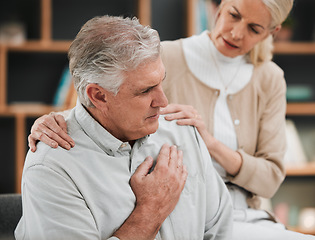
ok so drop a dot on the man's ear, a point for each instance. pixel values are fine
(96, 94)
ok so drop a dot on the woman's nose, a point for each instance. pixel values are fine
(237, 32)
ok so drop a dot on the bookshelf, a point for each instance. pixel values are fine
(307, 169)
(297, 190)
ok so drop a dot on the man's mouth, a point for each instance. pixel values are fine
(155, 116)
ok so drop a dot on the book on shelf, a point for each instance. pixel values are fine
(64, 85)
(295, 153)
(205, 14)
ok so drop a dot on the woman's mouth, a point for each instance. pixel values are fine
(230, 44)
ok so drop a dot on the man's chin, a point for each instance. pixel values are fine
(154, 127)
(144, 132)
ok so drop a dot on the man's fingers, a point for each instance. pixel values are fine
(144, 167)
(173, 162)
(184, 175)
(180, 159)
(164, 156)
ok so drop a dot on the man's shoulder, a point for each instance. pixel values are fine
(186, 138)
(45, 156)
(172, 133)
(171, 128)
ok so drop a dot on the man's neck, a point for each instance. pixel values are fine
(132, 142)
(96, 115)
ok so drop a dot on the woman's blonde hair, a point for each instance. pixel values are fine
(279, 11)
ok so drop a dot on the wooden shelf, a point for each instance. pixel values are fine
(39, 46)
(29, 109)
(307, 169)
(297, 229)
(294, 48)
(301, 109)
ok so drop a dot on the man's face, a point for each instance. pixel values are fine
(133, 113)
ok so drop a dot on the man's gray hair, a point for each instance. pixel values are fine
(106, 48)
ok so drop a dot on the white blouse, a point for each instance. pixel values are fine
(228, 75)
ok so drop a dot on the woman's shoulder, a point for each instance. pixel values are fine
(269, 76)
(268, 68)
(173, 57)
(169, 44)
(171, 49)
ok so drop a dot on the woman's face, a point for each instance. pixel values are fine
(241, 24)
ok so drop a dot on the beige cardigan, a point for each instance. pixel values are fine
(258, 112)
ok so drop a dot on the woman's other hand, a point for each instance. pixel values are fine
(52, 130)
(229, 159)
(188, 115)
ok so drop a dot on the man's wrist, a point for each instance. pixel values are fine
(140, 225)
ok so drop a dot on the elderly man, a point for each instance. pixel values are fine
(131, 174)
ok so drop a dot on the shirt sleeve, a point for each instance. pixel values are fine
(53, 208)
(219, 218)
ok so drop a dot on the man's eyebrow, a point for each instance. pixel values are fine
(150, 87)
(253, 24)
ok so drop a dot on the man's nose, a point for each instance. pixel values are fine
(160, 99)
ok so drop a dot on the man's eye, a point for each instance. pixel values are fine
(146, 91)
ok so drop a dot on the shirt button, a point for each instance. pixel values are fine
(123, 145)
(217, 93)
(230, 97)
(237, 122)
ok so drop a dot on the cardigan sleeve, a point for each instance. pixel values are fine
(263, 171)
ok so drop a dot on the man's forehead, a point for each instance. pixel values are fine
(149, 75)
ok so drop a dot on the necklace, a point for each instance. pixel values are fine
(225, 86)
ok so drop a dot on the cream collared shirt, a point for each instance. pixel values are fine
(84, 193)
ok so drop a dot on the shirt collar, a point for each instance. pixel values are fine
(99, 134)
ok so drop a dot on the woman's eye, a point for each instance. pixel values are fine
(234, 15)
(254, 30)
